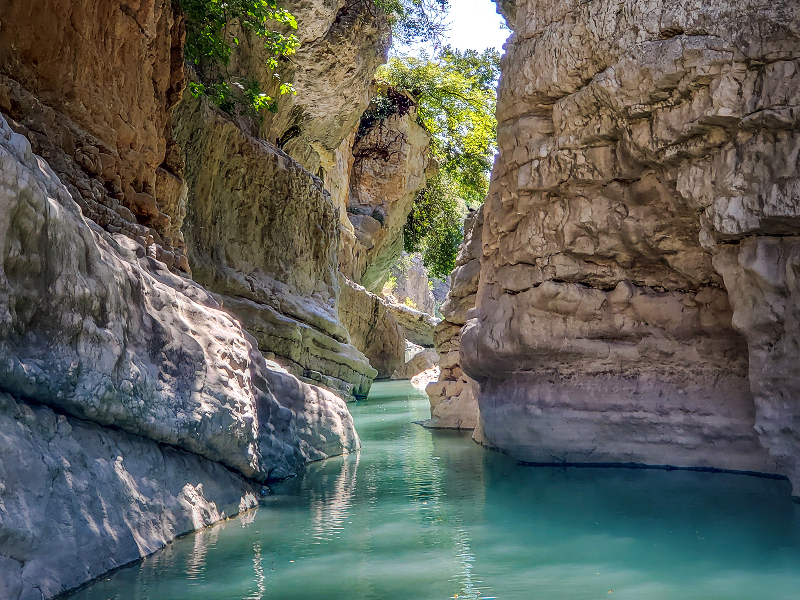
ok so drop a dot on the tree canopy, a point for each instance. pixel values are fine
(456, 96)
(415, 21)
(209, 43)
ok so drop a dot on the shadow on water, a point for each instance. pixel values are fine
(421, 514)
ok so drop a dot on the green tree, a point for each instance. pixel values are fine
(415, 21)
(210, 42)
(456, 96)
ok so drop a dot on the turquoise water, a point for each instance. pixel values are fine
(431, 515)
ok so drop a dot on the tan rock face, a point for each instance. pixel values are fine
(454, 396)
(391, 163)
(112, 72)
(373, 328)
(634, 140)
(80, 474)
(413, 284)
(418, 326)
(761, 274)
(341, 45)
(263, 234)
(425, 359)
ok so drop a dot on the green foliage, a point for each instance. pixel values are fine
(456, 97)
(416, 21)
(209, 43)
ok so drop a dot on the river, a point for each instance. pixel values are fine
(424, 515)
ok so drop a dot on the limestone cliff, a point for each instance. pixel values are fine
(97, 330)
(263, 234)
(454, 403)
(391, 163)
(103, 123)
(134, 405)
(647, 163)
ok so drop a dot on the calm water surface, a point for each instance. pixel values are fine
(431, 515)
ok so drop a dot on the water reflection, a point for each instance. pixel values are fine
(430, 515)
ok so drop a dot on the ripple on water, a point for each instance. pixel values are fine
(431, 515)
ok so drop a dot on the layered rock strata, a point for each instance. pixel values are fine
(391, 163)
(373, 329)
(638, 142)
(97, 330)
(417, 325)
(97, 106)
(264, 235)
(454, 397)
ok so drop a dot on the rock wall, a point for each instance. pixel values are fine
(645, 147)
(391, 164)
(413, 283)
(373, 328)
(79, 499)
(91, 84)
(263, 234)
(97, 330)
(454, 397)
(342, 42)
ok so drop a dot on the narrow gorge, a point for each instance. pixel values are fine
(194, 298)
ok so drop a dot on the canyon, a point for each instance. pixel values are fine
(189, 299)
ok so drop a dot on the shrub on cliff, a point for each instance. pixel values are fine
(210, 39)
(456, 95)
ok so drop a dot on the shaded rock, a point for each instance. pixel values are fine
(263, 234)
(761, 274)
(91, 328)
(454, 396)
(373, 329)
(70, 485)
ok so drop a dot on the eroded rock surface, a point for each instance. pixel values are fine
(454, 396)
(77, 499)
(342, 42)
(373, 328)
(391, 164)
(425, 359)
(636, 140)
(92, 84)
(417, 325)
(263, 234)
(93, 328)
(414, 284)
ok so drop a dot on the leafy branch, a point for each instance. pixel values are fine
(210, 42)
